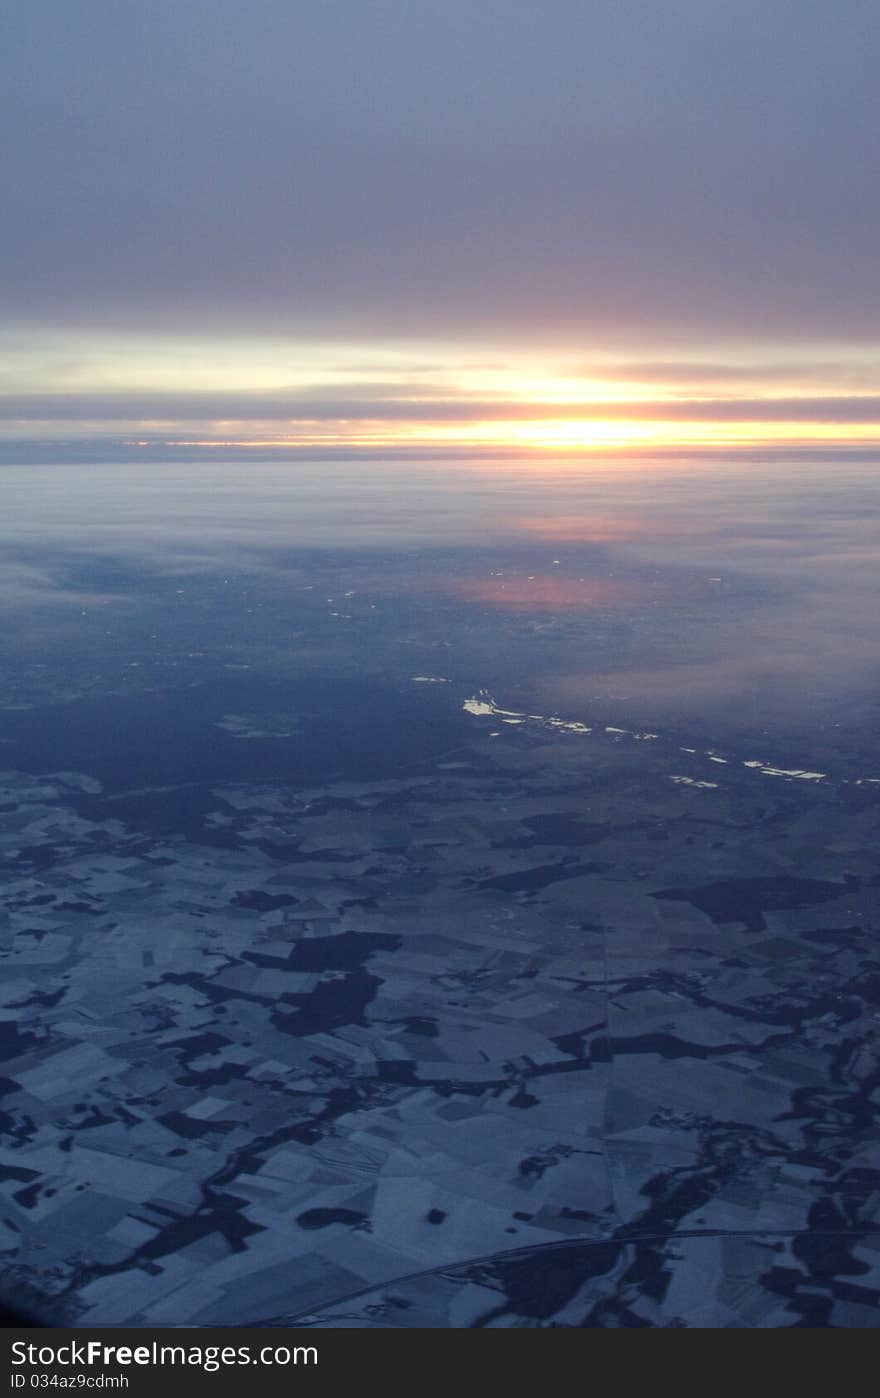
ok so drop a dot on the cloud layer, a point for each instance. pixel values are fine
(376, 167)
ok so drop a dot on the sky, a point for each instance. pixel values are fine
(440, 224)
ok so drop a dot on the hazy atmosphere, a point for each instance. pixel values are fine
(440, 225)
(439, 660)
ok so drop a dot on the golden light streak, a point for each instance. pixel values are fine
(275, 394)
(546, 435)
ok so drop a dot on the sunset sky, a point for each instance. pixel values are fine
(440, 225)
